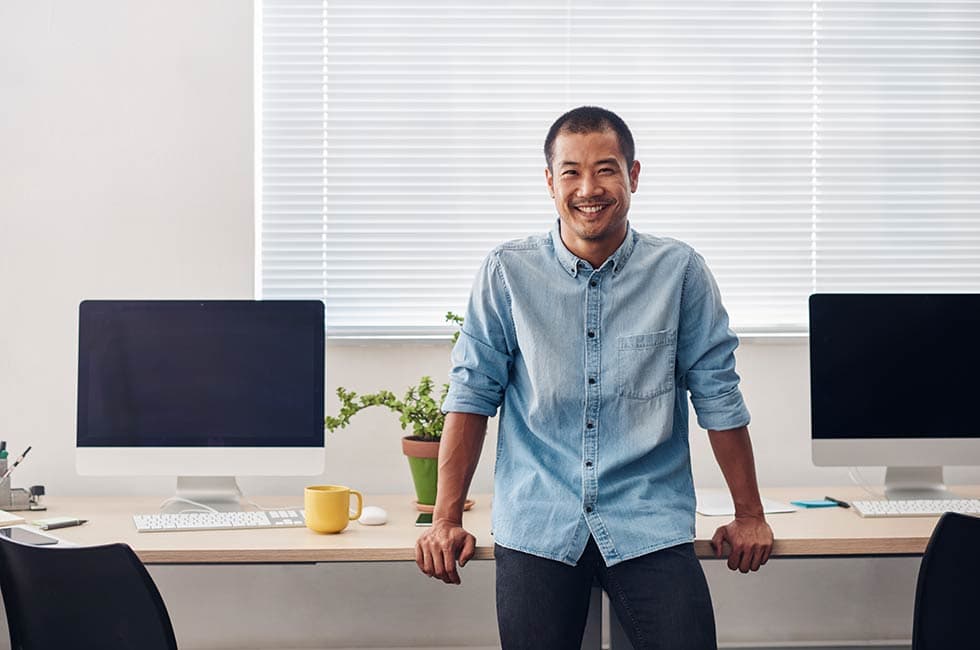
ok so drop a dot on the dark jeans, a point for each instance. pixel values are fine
(661, 599)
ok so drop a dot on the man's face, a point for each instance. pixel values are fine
(591, 186)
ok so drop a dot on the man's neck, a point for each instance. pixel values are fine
(594, 252)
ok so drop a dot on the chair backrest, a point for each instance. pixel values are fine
(81, 597)
(947, 596)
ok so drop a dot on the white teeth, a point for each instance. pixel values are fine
(591, 209)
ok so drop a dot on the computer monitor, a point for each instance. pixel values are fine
(202, 390)
(893, 381)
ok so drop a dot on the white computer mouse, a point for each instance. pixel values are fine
(373, 516)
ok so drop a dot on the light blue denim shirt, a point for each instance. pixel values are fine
(591, 369)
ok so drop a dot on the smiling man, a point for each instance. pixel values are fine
(589, 340)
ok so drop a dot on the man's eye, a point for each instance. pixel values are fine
(606, 170)
(569, 172)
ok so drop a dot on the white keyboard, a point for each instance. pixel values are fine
(166, 522)
(916, 507)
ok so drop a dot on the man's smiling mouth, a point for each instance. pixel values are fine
(592, 208)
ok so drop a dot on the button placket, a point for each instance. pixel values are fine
(592, 366)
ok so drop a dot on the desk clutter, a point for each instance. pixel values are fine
(717, 503)
(9, 519)
(17, 498)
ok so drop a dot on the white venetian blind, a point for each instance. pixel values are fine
(291, 147)
(402, 140)
(898, 155)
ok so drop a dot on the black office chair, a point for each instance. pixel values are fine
(947, 596)
(86, 597)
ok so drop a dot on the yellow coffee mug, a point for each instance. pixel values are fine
(328, 507)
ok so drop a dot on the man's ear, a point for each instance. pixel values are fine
(551, 181)
(634, 175)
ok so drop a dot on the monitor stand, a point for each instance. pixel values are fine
(219, 492)
(903, 483)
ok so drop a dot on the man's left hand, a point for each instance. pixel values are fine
(750, 538)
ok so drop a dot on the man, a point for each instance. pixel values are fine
(589, 340)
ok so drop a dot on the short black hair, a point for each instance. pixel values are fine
(591, 119)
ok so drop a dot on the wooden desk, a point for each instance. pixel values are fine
(806, 533)
(834, 531)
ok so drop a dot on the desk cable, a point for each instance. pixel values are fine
(198, 507)
(859, 481)
(252, 503)
(202, 507)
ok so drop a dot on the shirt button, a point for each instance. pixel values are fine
(591, 334)
(593, 283)
(588, 425)
(591, 380)
(588, 463)
(588, 508)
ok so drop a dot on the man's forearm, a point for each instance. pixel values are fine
(459, 453)
(733, 451)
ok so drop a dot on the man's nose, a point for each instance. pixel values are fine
(588, 187)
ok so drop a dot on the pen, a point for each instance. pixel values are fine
(16, 463)
(842, 504)
(64, 524)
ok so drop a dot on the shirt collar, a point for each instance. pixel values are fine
(571, 262)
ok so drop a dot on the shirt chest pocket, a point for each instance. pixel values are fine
(645, 363)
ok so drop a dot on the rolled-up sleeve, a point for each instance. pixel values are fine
(483, 354)
(706, 352)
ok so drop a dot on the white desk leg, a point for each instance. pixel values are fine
(592, 639)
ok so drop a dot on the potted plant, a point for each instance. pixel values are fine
(418, 408)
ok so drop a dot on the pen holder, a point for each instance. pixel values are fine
(12, 498)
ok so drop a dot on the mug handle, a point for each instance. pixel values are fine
(360, 504)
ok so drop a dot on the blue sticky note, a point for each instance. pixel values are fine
(814, 503)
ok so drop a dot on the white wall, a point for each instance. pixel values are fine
(126, 172)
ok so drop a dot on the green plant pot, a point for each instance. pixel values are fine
(423, 460)
(425, 475)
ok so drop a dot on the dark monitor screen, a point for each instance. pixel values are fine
(894, 365)
(200, 374)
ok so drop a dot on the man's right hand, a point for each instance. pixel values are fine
(439, 549)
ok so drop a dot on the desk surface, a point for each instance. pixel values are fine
(815, 532)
